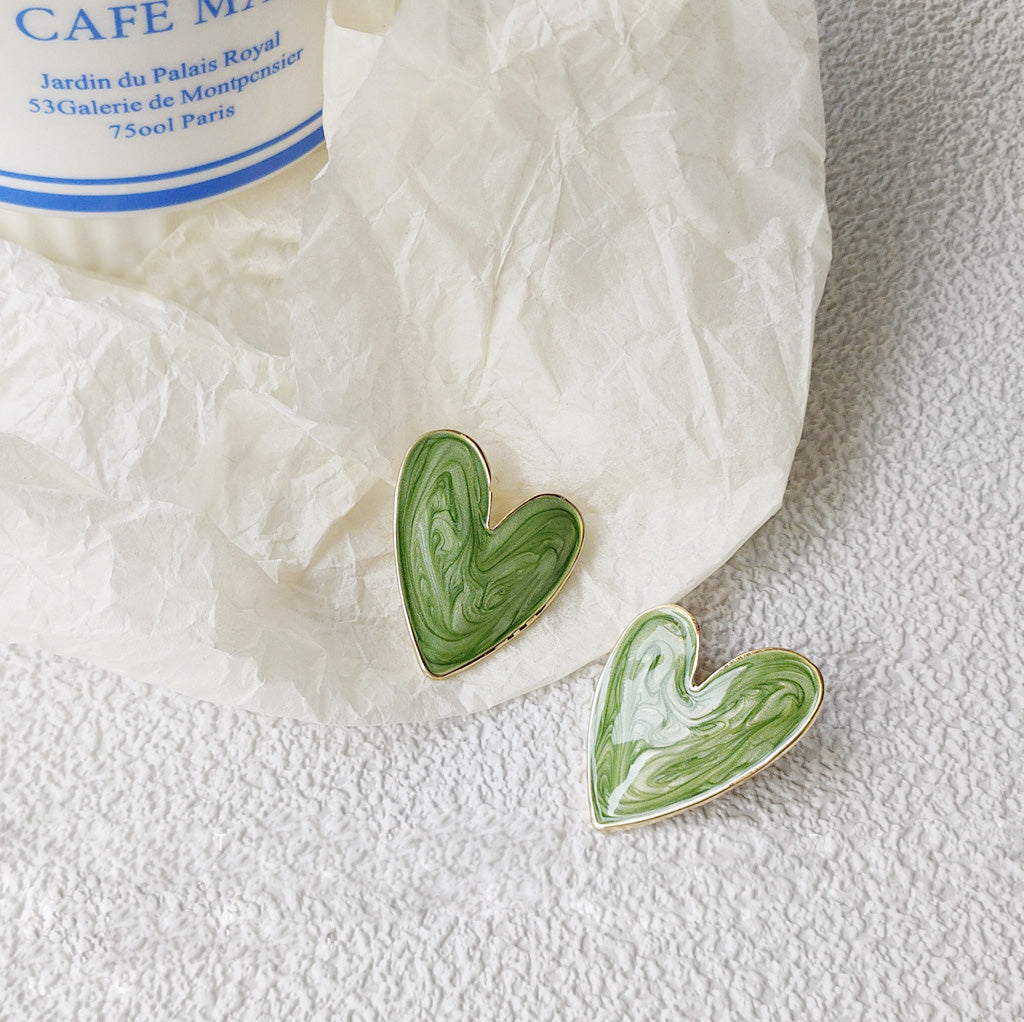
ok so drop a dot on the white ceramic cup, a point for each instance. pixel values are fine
(118, 116)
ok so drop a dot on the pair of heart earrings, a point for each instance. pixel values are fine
(659, 742)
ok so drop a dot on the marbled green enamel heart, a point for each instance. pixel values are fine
(659, 744)
(467, 587)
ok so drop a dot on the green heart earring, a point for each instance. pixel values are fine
(660, 744)
(467, 587)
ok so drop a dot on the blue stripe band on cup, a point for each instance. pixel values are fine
(163, 177)
(162, 198)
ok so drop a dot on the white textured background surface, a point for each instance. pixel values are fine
(165, 859)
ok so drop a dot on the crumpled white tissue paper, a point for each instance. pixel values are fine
(590, 233)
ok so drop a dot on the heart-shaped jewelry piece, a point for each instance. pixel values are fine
(468, 588)
(660, 744)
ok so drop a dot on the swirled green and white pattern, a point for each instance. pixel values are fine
(469, 588)
(659, 744)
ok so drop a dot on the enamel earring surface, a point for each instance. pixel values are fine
(467, 587)
(660, 744)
